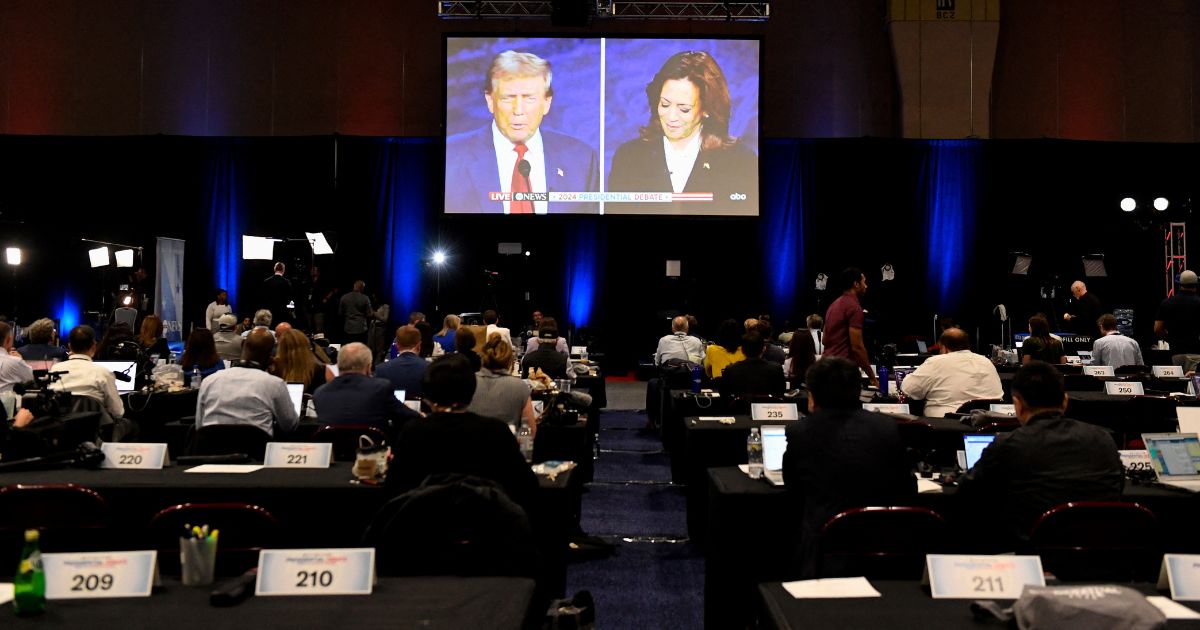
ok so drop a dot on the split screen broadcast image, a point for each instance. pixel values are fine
(602, 126)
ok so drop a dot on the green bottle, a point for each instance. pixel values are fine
(29, 586)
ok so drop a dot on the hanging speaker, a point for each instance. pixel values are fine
(572, 12)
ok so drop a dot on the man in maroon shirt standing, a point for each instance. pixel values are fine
(844, 323)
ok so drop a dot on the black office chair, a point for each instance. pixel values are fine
(983, 404)
(245, 529)
(881, 542)
(229, 439)
(1098, 540)
(344, 438)
(70, 517)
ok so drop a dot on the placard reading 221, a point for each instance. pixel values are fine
(315, 572)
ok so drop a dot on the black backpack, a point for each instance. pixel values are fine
(676, 373)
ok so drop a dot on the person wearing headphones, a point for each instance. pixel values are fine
(246, 393)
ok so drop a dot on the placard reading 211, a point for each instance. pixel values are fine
(982, 577)
(315, 572)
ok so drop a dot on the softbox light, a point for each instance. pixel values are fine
(1021, 264)
(98, 257)
(124, 257)
(1093, 266)
(320, 245)
(257, 248)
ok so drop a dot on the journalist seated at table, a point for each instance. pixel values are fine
(840, 456)
(356, 397)
(1113, 348)
(955, 376)
(81, 377)
(546, 357)
(246, 393)
(1049, 460)
(408, 368)
(454, 440)
(754, 375)
(499, 394)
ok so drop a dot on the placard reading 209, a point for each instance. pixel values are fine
(602, 126)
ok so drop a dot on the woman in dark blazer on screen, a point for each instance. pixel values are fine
(685, 146)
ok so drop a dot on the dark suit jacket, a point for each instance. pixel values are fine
(277, 292)
(839, 459)
(360, 399)
(552, 362)
(1050, 460)
(641, 166)
(462, 443)
(404, 372)
(471, 171)
(752, 376)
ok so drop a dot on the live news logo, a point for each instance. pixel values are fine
(528, 196)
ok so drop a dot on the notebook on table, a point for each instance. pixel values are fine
(1175, 458)
(774, 442)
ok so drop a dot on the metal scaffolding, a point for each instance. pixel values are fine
(610, 9)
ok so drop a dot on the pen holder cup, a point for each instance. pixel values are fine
(198, 560)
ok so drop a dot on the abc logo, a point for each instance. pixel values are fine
(737, 197)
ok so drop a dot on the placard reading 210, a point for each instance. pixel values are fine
(773, 411)
(315, 572)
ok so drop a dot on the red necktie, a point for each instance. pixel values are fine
(519, 183)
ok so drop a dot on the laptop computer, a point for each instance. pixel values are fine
(1175, 458)
(399, 394)
(922, 348)
(128, 368)
(774, 442)
(296, 393)
(974, 445)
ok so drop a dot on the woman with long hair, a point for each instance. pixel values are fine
(201, 352)
(295, 363)
(499, 394)
(802, 353)
(151, 337)
(1040, 345)
(726, 351)
(445, 337)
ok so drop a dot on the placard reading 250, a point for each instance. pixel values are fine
(315, 572)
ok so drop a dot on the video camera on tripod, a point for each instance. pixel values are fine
(38, 397)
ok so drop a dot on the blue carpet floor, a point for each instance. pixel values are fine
(643, 584)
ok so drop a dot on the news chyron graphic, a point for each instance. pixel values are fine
(602, 126)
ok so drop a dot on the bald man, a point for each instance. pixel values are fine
(1082, 314)
(957, 375)
(246, 394)
(679, 344)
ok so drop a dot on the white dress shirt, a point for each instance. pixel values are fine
(84, 378)
(506, 161)
(491, 328)
(946, 381)
(13, 371)
(243, 395)
(680, 163)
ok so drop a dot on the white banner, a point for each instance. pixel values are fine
(168, 299)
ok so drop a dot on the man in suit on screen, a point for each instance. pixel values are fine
(514, 154)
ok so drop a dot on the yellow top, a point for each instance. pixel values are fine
(716, 359)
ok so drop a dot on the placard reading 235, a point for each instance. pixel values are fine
(773, 411)
(315, 572)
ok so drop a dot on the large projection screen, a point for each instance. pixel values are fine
(602, 126)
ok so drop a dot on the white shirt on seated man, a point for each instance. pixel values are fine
(956, 376)
(82, 377)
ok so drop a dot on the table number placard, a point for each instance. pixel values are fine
(1099, 370)
(1124, 388)
(298, 455)
(982, 577)
(133, 455)
(773, 411)
(99, 575)
(1181, 573)
(1135, 460)
(1006, 409)
(886, 407)
(315, 572)
(1167, 371)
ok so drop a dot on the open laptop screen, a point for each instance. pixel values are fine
(296, 393)
(774, 439)
(1174, 454)
(128, 368)
(974, 445)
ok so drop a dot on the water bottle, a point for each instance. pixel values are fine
(525, 441)
(883, 380)
(29, 585)
(695, 378)
(754, 455)
(196, 377)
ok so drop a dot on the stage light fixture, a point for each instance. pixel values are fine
(124, 257)
(1093, 266)
(527, 254)
(126, 300)
(13, 255)
(1021, 264)
(1161, 203)
(439, 257)
(258, 248)
(1128, 204)
(320, 245)
(98, 257)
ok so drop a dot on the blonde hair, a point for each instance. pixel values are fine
(511, 63)
(294, 360)
(497, 353)
(152, 329)
(450, 323)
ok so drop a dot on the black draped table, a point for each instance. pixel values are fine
(751, 527)
(902, 605)
(410, 602)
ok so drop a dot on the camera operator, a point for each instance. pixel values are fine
(81, 377)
